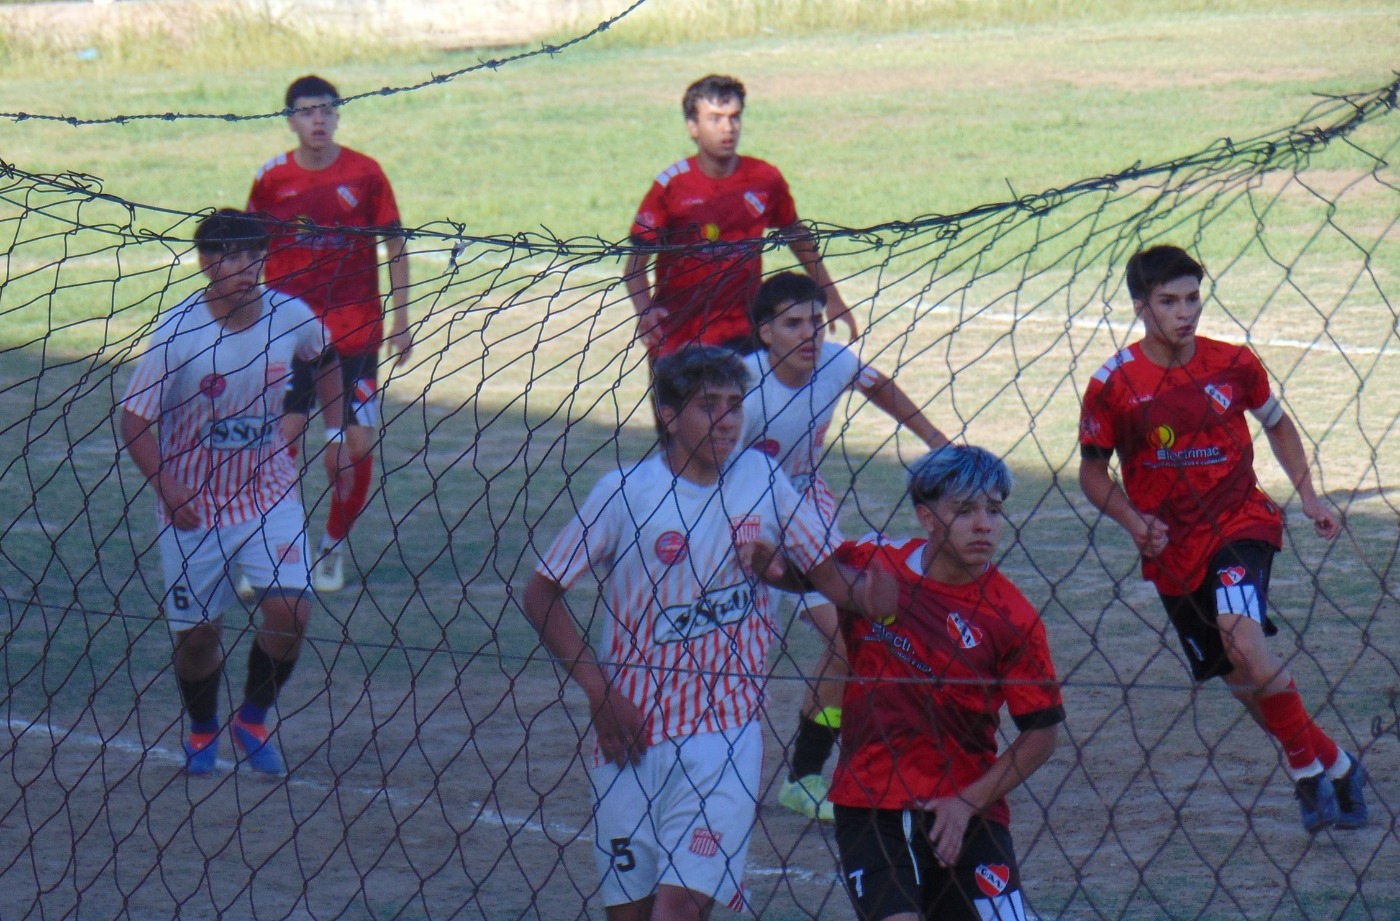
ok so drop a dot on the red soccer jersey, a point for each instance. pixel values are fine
(706, 288)
(921, 707)
(329, 264)
(1186, 452)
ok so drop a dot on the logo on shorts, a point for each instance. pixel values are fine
(1232, 575)
(1163, 436)
(671, 548)
(347, 195)
(767, 446)
(364, 390)
(289, 553)
(1221, 396)
(992, 879)
(705, 842)
(744, 529)
(213, 386)
(757, 202)
(962, 632)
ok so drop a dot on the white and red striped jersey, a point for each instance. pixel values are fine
(686, 630)
(790, 425)
(216, 397)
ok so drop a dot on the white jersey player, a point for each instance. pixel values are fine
(797, 380)
(201, 421)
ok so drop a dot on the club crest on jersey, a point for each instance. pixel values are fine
(767, 446)
(757, 203)
(347, 196)
(962, 632)
(276, 373)
(213, 386)
(1090, 428)
(1220, 396)
(992, 879)
(705, 842)
(744, 529)
(1232, 575)
(671, 547)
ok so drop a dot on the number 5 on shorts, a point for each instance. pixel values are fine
(622, 855)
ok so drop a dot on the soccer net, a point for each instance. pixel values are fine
(435, 761)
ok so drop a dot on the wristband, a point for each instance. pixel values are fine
(334, 435)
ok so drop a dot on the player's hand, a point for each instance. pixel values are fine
(838, 312)
(761, 559)
(951, 815)
(649, 323)
(1326, 521)
(621, 729)
(179, 502)
(1150, 535)
(340, 468)
(400, 344)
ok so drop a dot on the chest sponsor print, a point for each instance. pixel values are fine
(721, 607)
(239, 433)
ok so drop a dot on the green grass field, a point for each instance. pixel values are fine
(435, 755)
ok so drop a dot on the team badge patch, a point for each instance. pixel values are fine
(347, 196)
(289, 553)
(767, 446)
(705, 842)
(671, 548)
(1232, 575)
(1220, 396)
(963, 633)
(756, 202)
(993, 878)
(744, 529)
(213, 386)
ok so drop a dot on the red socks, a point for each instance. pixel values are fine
(1304, 744)
(344, 512)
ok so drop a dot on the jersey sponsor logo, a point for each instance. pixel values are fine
(347, 196)
(1190, 457)
(1138, 399)
(284, 193)
(757, 203)
(1221, 396)
(710, 232)
(992, 878)
(1233, 575)
(1163, 436)
(691, 202)
(671, 548)
(720, 607)
(744, 529)
(239, 433)
(705, 842)
(899, 646)
(768, 446)
(213, 386)
(962, 632)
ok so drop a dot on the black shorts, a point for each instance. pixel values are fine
(359, 375)
(888, 867)
(1237, 583)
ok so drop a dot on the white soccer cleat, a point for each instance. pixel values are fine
(244, 588)
(329, 574)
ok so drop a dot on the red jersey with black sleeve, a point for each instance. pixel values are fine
(921, 708)
(706, 287)
(1185, 451)
(316, 253)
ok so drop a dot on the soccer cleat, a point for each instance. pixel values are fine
(202, 753)
(807, 796)
(1351, 800)
(1317, 801)
(328, 576)
(261, 754)
(244, 588)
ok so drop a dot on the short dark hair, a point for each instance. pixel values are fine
(715, 88)
(958, 470)
(678, 377)
(229, 230)
(308, 87)
(1158, 265)
(795, 287)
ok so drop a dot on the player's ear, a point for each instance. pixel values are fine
(665, 415)
(765, 334)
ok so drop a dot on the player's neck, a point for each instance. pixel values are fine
(717, 167)
(689, 467)
(790, 375)
(1166, 354)
(947, 569)
(317, 158)
(233, 313)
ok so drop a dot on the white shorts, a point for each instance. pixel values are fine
(198, 565)
(682, 817)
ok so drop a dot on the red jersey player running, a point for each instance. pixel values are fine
(708, 215)
(922, 823)
(1173, 408)
(330, 206)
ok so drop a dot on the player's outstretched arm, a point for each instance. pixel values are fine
(891, 399)
(400, 339)
(1022, 758)
(139, 436)
(1148, 532)
(620, 725)
(1287, 446)
(804, 247)
(872, 593)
